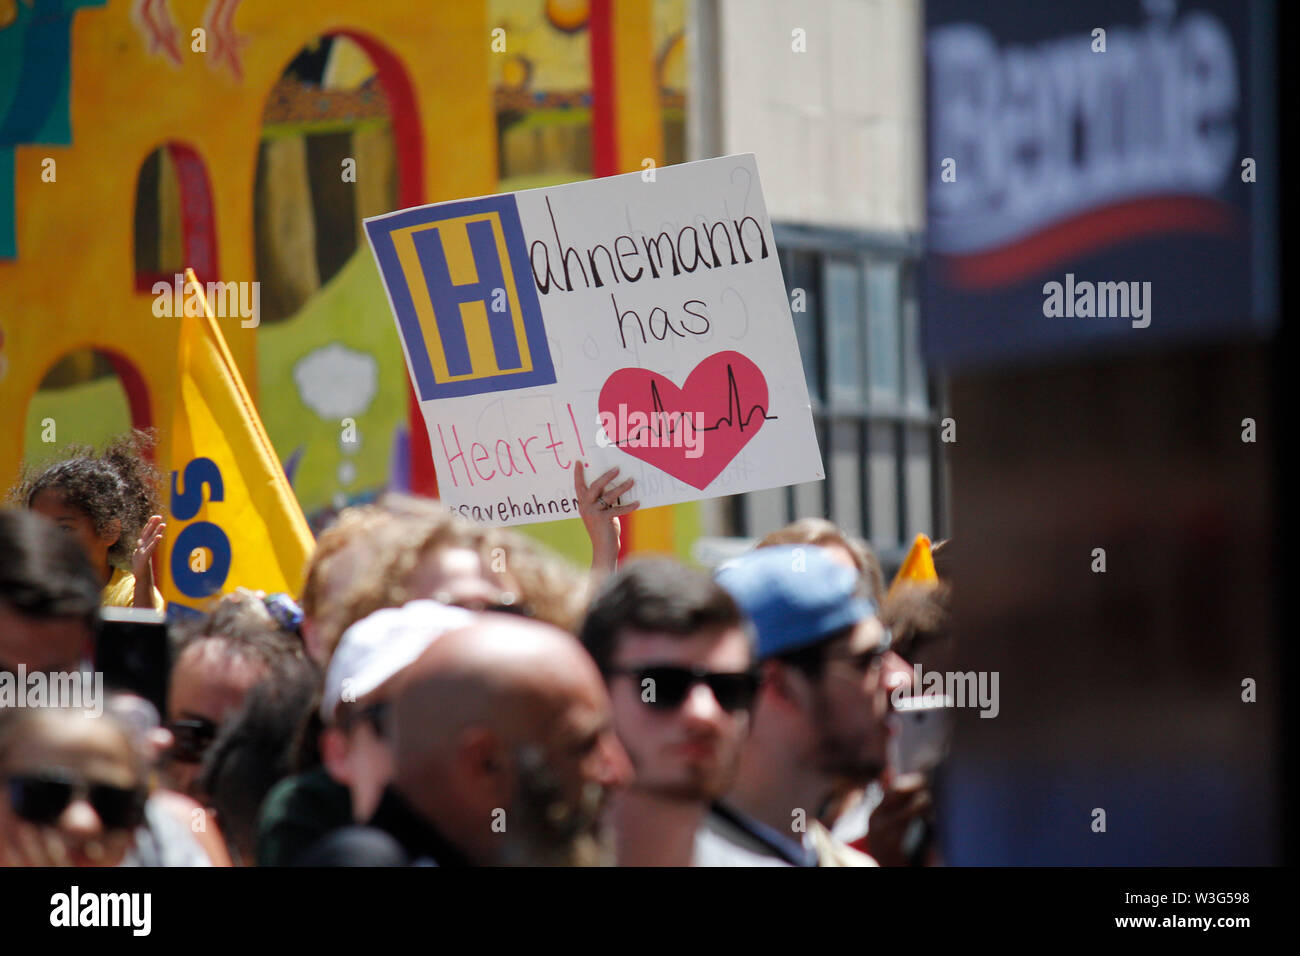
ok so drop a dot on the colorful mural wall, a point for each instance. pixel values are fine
(249, 141)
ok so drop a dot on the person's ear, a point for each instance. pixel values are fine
(786, 685)
(112, 532)
(482, 761)
(312, 642)
(334, 750)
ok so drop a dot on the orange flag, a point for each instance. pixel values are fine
(918, 566)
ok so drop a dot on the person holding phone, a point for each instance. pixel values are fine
(901, 830)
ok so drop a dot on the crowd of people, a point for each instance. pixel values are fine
(449, 694)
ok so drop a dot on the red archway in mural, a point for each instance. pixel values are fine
(138, 402)
(137, 392)
(409, 146)
(198, 219)
(405, 116)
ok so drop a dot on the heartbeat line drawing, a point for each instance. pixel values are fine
(674, 440)
(674, 419)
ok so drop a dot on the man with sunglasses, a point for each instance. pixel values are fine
(820, 716)
(678, 660)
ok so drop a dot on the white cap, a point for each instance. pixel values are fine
(376, 647)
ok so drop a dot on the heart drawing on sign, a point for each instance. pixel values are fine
(692, 432)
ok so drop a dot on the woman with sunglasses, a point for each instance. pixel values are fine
(72, 788)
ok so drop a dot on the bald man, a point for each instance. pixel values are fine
(503, 752)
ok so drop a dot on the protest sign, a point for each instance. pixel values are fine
(637, 321)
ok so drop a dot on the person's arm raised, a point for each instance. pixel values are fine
(599, 510)
(141, 565)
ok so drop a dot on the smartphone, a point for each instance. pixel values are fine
(132, 653)
(923, 726)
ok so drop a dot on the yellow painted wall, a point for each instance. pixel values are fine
(72, 285)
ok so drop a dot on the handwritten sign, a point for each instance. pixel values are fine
(637, 321)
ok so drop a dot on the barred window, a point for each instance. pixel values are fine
(855, 305)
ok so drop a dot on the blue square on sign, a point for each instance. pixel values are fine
(462, 292)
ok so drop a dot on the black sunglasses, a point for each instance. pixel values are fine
(862, 661)
(191, 738)
(669, 685)
(42, 798)
(865, 660)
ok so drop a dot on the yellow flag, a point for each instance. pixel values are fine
(233, 521)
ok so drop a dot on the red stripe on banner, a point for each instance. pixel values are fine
(1089, 232)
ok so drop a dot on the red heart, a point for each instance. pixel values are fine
(650, 418)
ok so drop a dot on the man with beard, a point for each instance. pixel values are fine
(503, 753)
(675, 651)
(820, 716)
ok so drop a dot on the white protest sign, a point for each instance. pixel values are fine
(618, 322)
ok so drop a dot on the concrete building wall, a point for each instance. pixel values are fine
(837, 128)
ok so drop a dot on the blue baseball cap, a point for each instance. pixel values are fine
(795, 595)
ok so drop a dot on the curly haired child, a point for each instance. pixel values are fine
(109, 501)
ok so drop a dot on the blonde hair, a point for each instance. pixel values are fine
(351, 524)
(554, 590)
(819, 531)
(401, 532)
